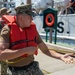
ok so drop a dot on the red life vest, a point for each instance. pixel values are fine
(21, 38)
(6, 19)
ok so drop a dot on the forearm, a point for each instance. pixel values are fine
(55, 54)
(52, 53)
(48, 52)
(8, 54)
(66, 58)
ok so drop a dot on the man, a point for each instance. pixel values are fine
(71, 7)
(3, 11)
(19, 41)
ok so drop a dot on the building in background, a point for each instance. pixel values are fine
(7, 3)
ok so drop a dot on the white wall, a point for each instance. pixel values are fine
(68, 20)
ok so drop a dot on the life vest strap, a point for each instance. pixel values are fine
(22, 41)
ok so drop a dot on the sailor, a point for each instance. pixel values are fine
(3, 11)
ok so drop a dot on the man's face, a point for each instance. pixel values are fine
(25, 20)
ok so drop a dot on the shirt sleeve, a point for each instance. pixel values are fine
(5, 35)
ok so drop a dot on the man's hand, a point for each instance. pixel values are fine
(67, 58)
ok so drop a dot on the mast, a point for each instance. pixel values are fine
(28, 2)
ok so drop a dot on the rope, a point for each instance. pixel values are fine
(11, 62)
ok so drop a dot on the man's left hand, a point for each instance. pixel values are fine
(67, 58)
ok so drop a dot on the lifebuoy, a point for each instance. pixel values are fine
(52, 19)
